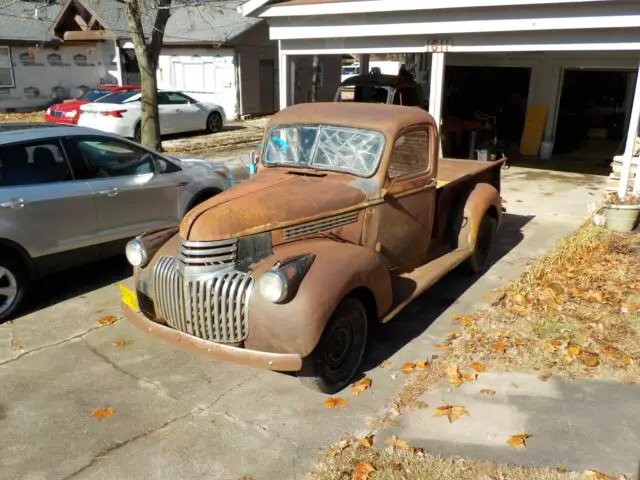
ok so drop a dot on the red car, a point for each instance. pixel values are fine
(69, 110)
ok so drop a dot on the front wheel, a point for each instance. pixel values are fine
(214, 122)
(341, 349)
(137, 133)
(13, 287)
(477, 263)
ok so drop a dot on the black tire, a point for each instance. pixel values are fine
(214, 123)
(137, 133)
(477, 263)
(12, 276)
(342, 347)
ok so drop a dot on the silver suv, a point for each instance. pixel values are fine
(70, 195)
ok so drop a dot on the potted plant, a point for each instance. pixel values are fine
(621, 214)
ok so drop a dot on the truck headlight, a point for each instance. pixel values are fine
(280, 283)
(136, 253)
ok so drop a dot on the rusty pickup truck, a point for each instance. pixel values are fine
(349, 217)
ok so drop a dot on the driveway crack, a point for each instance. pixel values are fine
(154, 385)
(44, 347)
(116, 446)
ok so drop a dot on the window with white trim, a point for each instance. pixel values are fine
(6, 69)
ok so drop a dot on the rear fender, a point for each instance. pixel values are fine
(338, 269)
(484, 198)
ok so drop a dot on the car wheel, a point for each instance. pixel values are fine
(214, 122)
(13, 286)
(477, 263)
(341, 349)
(137, 133)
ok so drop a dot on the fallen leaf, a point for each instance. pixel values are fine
(561, 469)
(573, 352)
(629, 307)
(385, 364)
(335, 402)
(397, 442)
(408, 368)
(121, 342)
(101, 413)
(518, 440)
(452, 412)
(590, 360)
(478, 367)
(337, 448)
(596, 475)
(499, 346)
(595, 296)
(470, 377)
(360, 386)
(454, 376)
(452, 336)
(519, 201)
(362, 471)
(520, 342)
(518, 299)
(463, 319)
(487, 391)
(422, 364)
(107, 320)
(366, 441)
(545, 376)
(441, 346)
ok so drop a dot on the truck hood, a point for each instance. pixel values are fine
(269, 201)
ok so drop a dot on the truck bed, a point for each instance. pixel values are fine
(453, 171)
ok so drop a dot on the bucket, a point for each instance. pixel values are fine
(621, 218)
(546, 149)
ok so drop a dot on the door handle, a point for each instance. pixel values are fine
(14, 203)
(110, 192)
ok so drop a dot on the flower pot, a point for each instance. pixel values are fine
(621, 218)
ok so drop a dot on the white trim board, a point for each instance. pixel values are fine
(370, 6)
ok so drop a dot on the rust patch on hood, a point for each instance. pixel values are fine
(275, 198)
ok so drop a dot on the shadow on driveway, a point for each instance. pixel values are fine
(423, 311)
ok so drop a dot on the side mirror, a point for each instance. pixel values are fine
(253, 163)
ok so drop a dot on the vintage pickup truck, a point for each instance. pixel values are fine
(350, 216)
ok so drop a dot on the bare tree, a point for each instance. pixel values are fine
(147, 54)
(315, 78)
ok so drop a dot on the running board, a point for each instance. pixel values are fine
(408, 286)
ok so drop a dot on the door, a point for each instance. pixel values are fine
(169, 115)
(406, 216)
(131, 194)
(189, 114)
(42, 206)
(267, 86)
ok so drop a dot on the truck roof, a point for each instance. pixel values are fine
(388, 119)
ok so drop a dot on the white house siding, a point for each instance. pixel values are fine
(253, 47)
(69, 67)
(205, 74)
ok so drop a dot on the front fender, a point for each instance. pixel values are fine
(338, 268)
(482, 199)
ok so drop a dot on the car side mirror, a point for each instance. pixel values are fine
(160, 164)
(253, 163)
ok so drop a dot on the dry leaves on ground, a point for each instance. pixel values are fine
(487, 391)
(457, 378)
(361, 471)
(396, 442)
(121, 342)
(367, 440)
(478, 367)
(102, 413)
(408, 368)
(335, 402)
(596, 475)
(518, 440)
(452, 412)
(107, 320)
(360, 386)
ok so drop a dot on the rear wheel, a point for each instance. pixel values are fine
(214, 122)
(137, 133)
(341, 349)
(477, 263)
(13, 286)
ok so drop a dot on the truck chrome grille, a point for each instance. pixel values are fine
(214, 308)
(319, 225)
(205, 255)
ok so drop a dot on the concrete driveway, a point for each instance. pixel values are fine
(176, 415)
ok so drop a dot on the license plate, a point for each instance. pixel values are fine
(128, 298)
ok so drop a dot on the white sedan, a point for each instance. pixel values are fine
(120, 113)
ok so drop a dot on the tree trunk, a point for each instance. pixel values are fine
(147, 56)
(315, 78)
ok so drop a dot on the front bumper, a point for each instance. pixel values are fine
(283, 362)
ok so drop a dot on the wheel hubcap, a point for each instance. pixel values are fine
(214, 122)
(8, 289)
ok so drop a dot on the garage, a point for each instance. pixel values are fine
(551, 40)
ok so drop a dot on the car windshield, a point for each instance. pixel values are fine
(119, 97)
(93, 95)
(325, 147)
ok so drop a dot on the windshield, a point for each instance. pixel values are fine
(327, 147)
(93, 95)
(120, 97)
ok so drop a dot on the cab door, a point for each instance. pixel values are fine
(405, 218)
